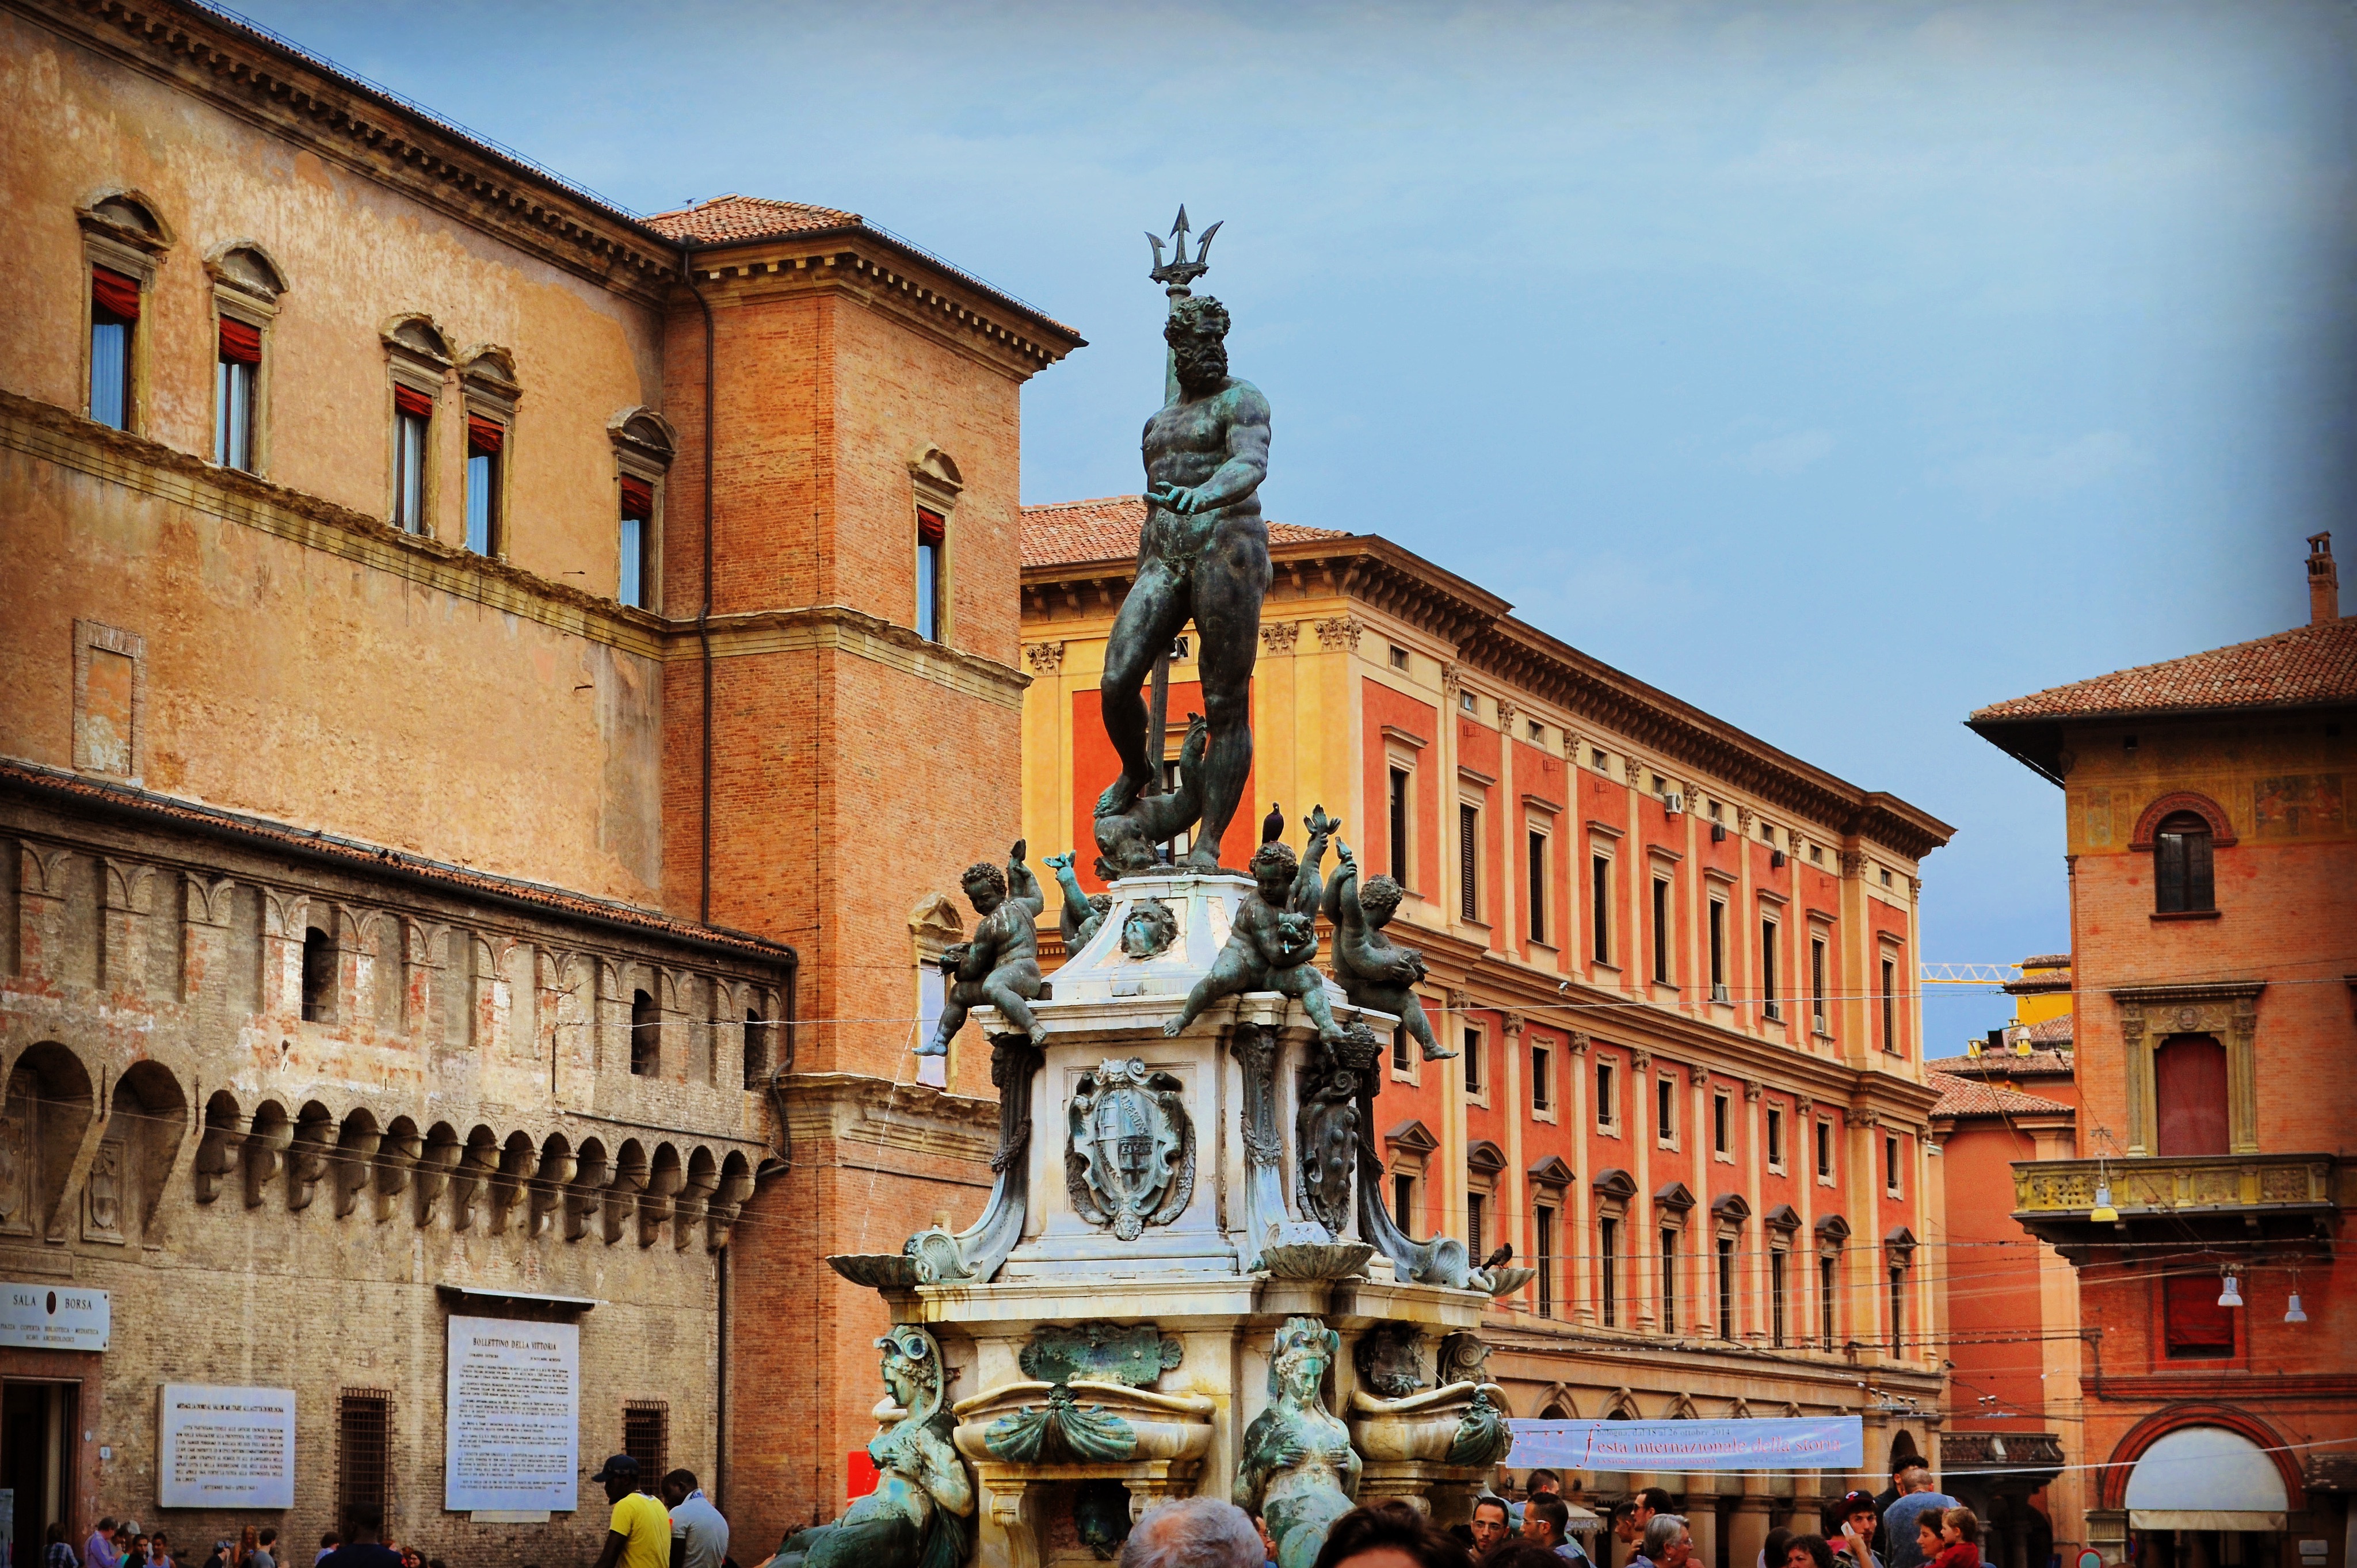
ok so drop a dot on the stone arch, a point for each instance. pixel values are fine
(735, 1187)
(49, 1106)
(397, 1154)
(2161, 1423)
(491, 368)
(435, 1164)
(645, 434)
(147, 1122)
(245, 266)
(1622, 1405)
(694, 1202)
(413, 335)
(1682, 1408)
(1557, 1402)
(593, 1168)
(666, 1174)
(518, 1160)
(2222, 826)
(631, 1167)
(470, 1183)
(353, 1160)
(123, 212)
(309, 1154)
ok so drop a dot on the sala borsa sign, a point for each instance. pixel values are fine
(54, 1316)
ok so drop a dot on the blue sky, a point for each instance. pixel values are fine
(1837, 368)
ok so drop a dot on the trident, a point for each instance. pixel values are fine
(1175, 275)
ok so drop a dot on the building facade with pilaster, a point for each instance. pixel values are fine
(1675, 962)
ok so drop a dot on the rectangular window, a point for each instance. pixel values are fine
(1825, 1148)
(1399, 658)
(1669, 1280)
(1608, 1271)
(1776, 1288)
(1469, 862)
(1400, 1062)
(1546, 1259)
(1775, 1136)
(1600, 916)
(1825, 1298)
(484, 440)
(1767, 968)
(1722, 1128)
(646, 1437)
(636, 576)
(113, 315)
(1717, 950)
(1725, 1288)
(1890, 1007)
(1665, 1109)
(413, 419)
(1661, 931)
(1817, 985)
(1898, 1312)
(1399, 825)
(2196, 1328)
(1472, 1061)
(1890, 1164)
(1475, 1208)
(933, 534)
(1542, 1097)
(1604, 1095)
(1538, 885)
(757, 1050)
(364, 1450)
(1403, 1202)
(238, 364)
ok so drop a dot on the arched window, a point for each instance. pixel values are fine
(318, 977)
(646, 1043)
(2181, 864)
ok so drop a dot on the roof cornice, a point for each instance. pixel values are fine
(246, 73)
(1489, 639)
(897, 277)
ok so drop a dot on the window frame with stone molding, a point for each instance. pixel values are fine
(122, 231)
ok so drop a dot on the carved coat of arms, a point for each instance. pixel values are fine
(1131, 1159)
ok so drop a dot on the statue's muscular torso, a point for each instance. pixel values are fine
(1186, 444)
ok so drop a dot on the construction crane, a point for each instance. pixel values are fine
(1968, 973)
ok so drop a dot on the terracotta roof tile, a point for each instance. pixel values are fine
(2304, 667)
(1064, 533)
(2049, 1029)
(1969, 1096)
(2005, 1064)
(734, 217)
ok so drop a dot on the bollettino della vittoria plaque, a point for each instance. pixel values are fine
(225, 1447)
(513, 1417)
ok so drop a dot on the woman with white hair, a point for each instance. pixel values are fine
(1193, 1533)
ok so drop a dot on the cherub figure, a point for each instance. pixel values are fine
(1371, 972)
(1083, 912)
(1275, 935)
(1001, 965)
(1126, 841)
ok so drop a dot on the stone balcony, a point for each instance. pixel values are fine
(2185, 1197)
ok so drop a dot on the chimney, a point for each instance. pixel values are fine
(2323, 580)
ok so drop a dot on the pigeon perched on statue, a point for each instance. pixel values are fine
(1272, 827)
(1500, 1258)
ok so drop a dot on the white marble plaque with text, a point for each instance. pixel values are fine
(226, 1447)
(513, 1417)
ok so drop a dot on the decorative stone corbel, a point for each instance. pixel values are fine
(548, 1184)
(584, 1194)
(621, 1201)
(216, 1158)
(508, 1183)
(308, 1158)
(263, 1149)
(726, 1203)
(478, 1162)
(396, 1157)
(694, 1199)
(355, 1158)
(655, 1202)
(433, 1178)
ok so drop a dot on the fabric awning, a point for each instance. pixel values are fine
(638, 497)
(410, 401)
(2206, 1477)
(241, 342)
(114, 293)
(484, 436)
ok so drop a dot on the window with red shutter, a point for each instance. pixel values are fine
(2195, 1327)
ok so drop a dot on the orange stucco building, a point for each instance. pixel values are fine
(499, 693)
(2213, 892)
(1676, 963)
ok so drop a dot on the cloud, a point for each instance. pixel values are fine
(2025, 470)
(1785, 456)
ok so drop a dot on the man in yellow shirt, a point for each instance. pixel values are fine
(639, 1536)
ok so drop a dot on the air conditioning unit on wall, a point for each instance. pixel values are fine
(1674, 804)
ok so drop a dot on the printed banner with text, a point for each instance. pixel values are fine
(1801, 1442)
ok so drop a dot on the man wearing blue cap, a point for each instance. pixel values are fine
(638, 1534)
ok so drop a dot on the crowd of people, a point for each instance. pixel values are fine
(1912, 1525)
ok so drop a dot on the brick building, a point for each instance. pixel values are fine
(2013, 1446)
(2213, 892)
(492, 682)
(1676, 963)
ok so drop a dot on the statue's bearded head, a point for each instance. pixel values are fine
(1274, 866)
(1380, 897)
(985, 885)
(1197, 333)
